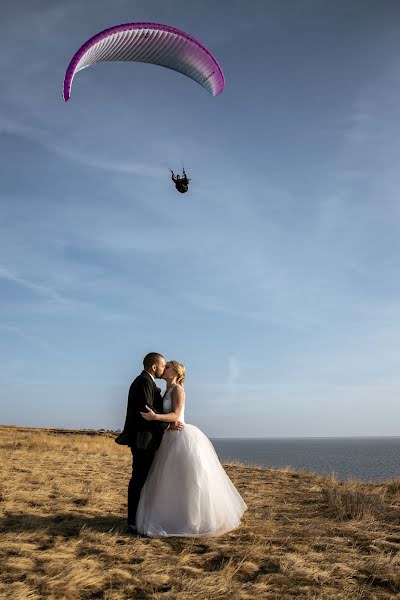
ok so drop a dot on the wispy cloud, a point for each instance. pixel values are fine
(11, 126)
(233, 370)
(26, 336)
(39, 288)
(51, 301)
(129, 167)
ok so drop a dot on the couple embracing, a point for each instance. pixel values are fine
(178, 485)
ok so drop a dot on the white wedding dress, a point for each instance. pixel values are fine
(187, 492)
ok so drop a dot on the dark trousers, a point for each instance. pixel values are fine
(141, 463)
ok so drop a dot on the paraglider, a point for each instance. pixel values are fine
(181, 183)
(155, 44)
(149, 43)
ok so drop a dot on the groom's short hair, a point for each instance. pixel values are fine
(151, 358)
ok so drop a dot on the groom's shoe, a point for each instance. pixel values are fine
(132, 529)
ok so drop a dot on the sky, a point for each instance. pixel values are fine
(275, 280)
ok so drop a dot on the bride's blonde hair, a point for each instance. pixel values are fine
(179, 369)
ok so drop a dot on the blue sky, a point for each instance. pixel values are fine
(276, 280)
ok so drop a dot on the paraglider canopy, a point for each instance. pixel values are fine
(149, 43)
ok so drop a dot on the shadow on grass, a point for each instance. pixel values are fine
(67, 525)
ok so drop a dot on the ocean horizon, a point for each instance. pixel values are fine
(365, 458)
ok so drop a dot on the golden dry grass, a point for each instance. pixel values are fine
(63, 533)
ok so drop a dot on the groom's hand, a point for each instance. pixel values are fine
(177, 426)
(150, 415)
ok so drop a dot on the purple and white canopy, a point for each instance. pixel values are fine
(149, 43)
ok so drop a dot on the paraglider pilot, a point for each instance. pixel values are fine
(181, 183)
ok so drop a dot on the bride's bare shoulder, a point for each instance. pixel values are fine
(178, 389)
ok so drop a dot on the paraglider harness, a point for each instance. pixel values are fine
(181, 183)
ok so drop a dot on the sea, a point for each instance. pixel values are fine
(373, 459)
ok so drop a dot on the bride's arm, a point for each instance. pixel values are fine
(177, 399)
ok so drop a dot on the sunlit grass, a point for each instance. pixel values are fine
(63, 531)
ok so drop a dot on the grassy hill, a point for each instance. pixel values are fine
(63, 531)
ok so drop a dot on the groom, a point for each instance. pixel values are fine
(144, 437)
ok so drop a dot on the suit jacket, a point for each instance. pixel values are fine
(142, 434)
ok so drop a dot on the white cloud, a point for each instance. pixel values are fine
(234, 370)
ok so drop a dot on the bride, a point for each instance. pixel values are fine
(187, 492)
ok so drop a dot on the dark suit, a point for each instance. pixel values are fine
(144, 437)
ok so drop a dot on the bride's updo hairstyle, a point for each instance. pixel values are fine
(179, 369)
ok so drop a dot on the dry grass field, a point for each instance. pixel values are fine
(63, 532)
